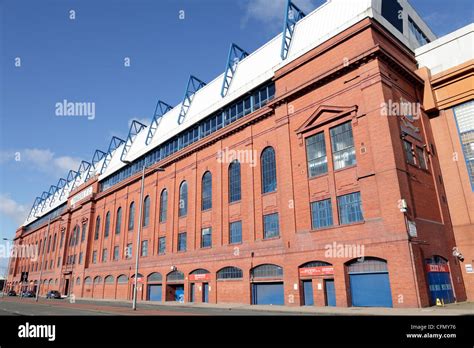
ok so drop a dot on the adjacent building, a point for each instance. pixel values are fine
(307, 174)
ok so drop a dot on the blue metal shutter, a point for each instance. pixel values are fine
(330, 293)
(154, 292)
(370, 290)
(268, 293)
(308, 292)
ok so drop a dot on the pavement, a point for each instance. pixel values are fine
(28, 306)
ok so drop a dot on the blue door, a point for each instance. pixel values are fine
(205, 293)
(308, 292)
(191, 293)
(330, 292)
(370, 290)
(268, 293)
(154, 292)
(440, 287)
(179, 293)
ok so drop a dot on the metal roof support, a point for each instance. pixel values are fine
(135, 128)
(84, 167)
(194, 85)
(292, 15)
(34, 207)
(115, 142)
(98, 155)
(161, 109)
(60, 185)
(236, 54)
(44, 196)
(71, 176)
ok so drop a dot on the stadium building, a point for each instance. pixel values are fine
(305, 174)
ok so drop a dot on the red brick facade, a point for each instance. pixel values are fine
(346, 79)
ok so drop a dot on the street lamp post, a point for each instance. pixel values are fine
(140, 213)
(42, 261)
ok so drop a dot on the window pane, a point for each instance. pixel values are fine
(183, 199)
(342, 142)
(146, 211)
(235, 232)
(271, 227)
(118, 222)
(207, 191)
(206, 237)
(145, 248)
(269, 180)
(316, 154)
(409, 152)
(234, 182)
(163, 205)
(350, 208)
(131, 217)
(161, 245)
(464, 115)
(107, 225)
(420, 154)
(321, 214)
(182, 241)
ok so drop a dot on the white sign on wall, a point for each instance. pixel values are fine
(469, 268)
(81, 195)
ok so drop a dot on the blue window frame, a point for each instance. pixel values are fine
(161, 245)
(342, 141)
(182, 241)
(316, 155)
(118, 221)
(131, 217)
(350, 208)
(96, 234)
(144, 251)
(234, 182)
(321, 214)
(206, 237)
(235, 232)
(268, 168)
(271, 228)
(230, 273)
(163, 205)
(183, 199)
(206, 191)
(146, 211)
(107, 224)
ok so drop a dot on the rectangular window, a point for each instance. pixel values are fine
(343, 151)
(145, 248)
(420, 154)
(128, 251)
(316, 155)
(161, 245)
(80, 258)
(409, 152)
(321, 214)
(94, 257)
(416, 34)
(350, 208)
(83, 236)
(104, 255)
(59, 262)
(116, 253)
(182, 241)
(271, 227)
(206, 237)
(235, 232)
(62, 240)
(464, 115)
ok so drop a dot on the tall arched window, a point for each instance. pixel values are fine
(183, 199)
(268, 168)
(131, 216)
(97, 228)
(118, 221)
(146, 211)
(107, 224)
(234, 181)
(163, 205)
(207, 191)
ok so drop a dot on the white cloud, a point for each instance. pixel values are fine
(271, 13)
(43, 160)
(12, 209)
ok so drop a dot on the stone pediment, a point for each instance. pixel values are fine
(324, 114)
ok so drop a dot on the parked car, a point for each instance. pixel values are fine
(53, 294)
(12, 293)
(29, 294)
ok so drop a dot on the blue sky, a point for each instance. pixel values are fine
(83, 60)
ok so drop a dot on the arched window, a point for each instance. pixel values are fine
(97, 280)
(131, 216)
(97, 228)
(268, 168)
(78, 281)
(175, 276)
(122, 279)
(234, 182)
(146, 211)
(230, 273)
(267, 271)
(183, 199)
(163, 205)
(109, 279)
(154, 277)
(207, 191)
(118, 221)
(369, 265)
(107, 224)
(54, 242)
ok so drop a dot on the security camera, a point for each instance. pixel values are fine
(403, 205)
(457, 253)
(173, 268)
